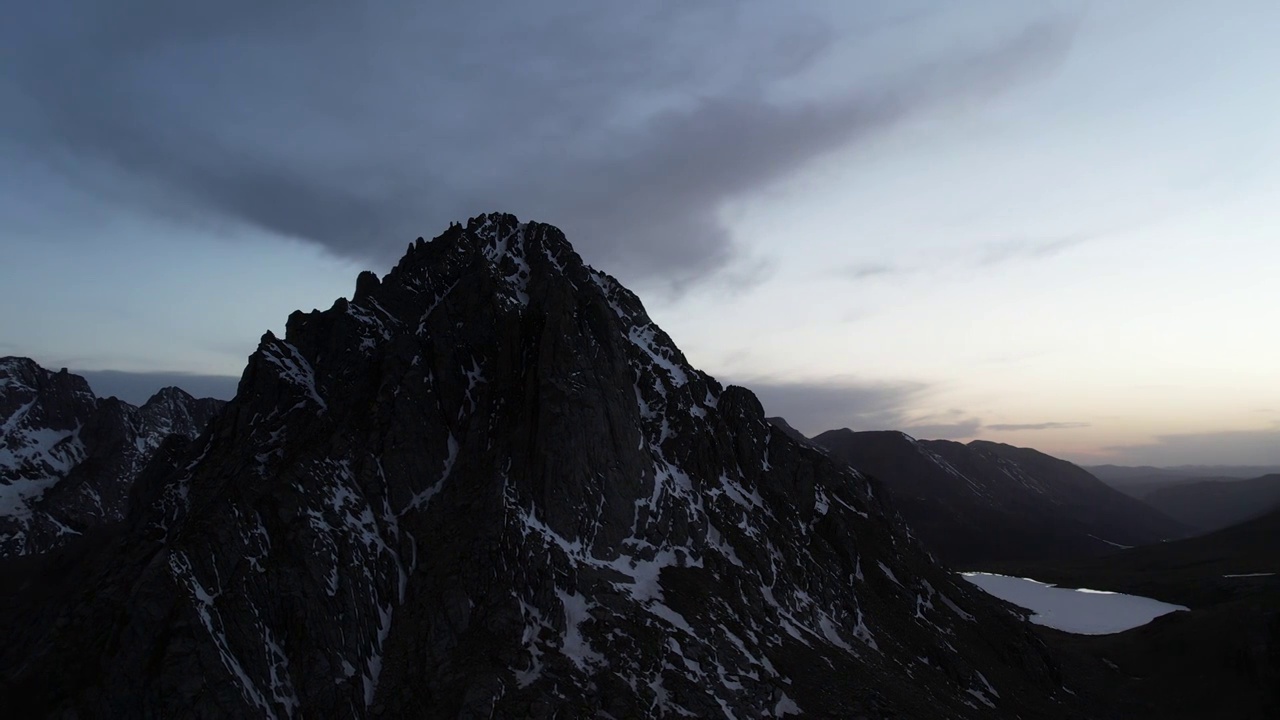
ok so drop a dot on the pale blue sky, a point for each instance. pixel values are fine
(1051, 224)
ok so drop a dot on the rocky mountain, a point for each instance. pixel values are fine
(987, 502)
(1215, 503)
(68, 458)
(490, 486)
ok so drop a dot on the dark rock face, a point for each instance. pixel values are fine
(67, 458)
(489, 486)
(987, 502)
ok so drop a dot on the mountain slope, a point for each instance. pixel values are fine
(68, 458)
(1222, 659)
(1213, 504)
(985, 502)
(1198, 572)
(489, 486)
(794, 434)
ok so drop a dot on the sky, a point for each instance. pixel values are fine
(1049, 224)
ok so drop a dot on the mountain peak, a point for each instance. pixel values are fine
(490, 485)
(68, 458)
(169, 394)
(510, 251)
(23, 371)
(12, 364)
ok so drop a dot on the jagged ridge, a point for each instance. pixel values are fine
(68, 458)
(489, 485)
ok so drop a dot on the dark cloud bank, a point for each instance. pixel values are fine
(359, 125)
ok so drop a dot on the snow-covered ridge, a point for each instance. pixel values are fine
(50, 424)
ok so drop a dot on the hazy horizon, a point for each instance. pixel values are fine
(1046, 225)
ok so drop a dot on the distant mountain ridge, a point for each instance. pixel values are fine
(1212, 504)
(1122, 474)
(988, 502)
(68, 458)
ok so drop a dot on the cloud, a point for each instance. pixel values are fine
(846, 402)
(966, 429)
(862, 271)
(1037, 426)
(949, 425)
(815, 406)
(357, 126)
(812, 407)
(137, 387)
(1008, 250)
(1232, 447)
(982, 255)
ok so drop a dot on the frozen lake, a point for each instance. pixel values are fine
(1087, 612)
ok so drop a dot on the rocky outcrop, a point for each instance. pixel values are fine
(490, 486)
(68, 458)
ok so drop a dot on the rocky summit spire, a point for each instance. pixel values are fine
(490, 486)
